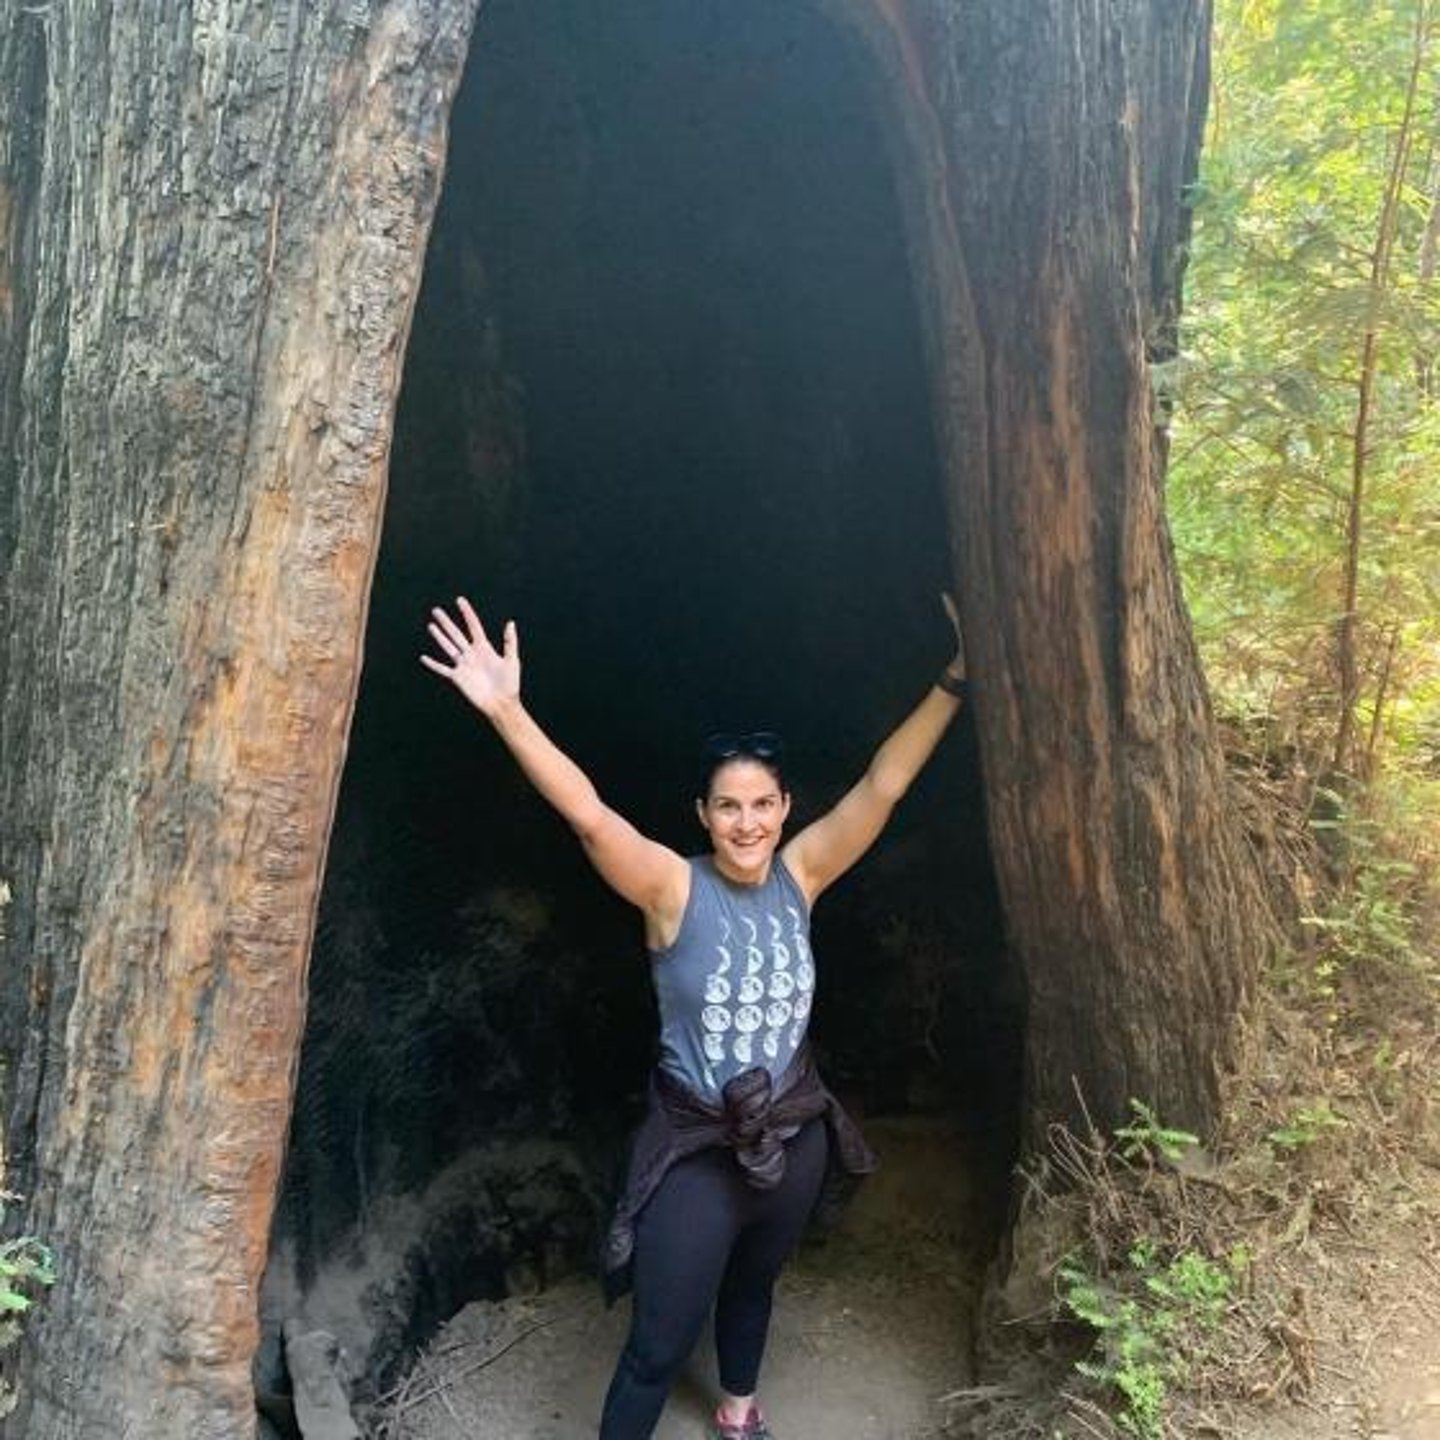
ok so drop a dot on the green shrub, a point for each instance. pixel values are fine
(1145, 1138)
(1305, 1127)
(1147, 1319)
(26, 1266)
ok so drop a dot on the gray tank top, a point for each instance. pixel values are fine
(735, 987)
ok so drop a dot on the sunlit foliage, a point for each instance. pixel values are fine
(1313, 318)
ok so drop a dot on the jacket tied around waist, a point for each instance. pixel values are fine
(754, 1118)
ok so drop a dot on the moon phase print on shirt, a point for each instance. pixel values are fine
(754, 955)
(748, 1018)
(778, 951)
(757, 996)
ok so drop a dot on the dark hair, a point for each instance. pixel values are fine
(764, 747)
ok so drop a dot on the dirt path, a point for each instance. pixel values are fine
(1381, 1383)
(1376, 1310)
(871, 1329)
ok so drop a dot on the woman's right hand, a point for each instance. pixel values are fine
(486, 677)
(647, 874)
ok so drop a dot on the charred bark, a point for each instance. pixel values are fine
(1066, 136)
(216, 228)
(213, 222)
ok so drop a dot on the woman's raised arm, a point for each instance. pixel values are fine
(827, 848)
(646, 873)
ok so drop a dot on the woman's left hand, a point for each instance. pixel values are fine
(957, 666)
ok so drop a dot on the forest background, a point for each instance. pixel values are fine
(1303, 489)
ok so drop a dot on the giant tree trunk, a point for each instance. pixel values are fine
(214, 223)
(1069, 132)
(218, 221)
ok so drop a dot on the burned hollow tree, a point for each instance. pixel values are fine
(214, 225)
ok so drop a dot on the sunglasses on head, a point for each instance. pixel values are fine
(756, 745)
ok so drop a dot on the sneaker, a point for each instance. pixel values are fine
(753, 1428)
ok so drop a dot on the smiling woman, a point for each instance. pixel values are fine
(740, 1131)
(743, 806)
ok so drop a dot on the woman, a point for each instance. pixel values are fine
(730, 1160)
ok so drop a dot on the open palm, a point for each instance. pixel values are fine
(486, 677)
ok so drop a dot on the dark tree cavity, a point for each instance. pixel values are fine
(213, 228)
(665, 401)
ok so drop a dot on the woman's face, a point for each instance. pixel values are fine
(744, 815)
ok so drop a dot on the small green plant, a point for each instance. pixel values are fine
(1145, 1137)
(1369, 919)
(1130, 1344)
(1305, 1127)
(1152, 1312)
(1146, 1320)
(1370, 914)
(25, 1266)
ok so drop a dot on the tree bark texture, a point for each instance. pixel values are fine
(214, 220)
(217, 218)
(1047, 148)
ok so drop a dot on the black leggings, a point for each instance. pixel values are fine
(707, 1238)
